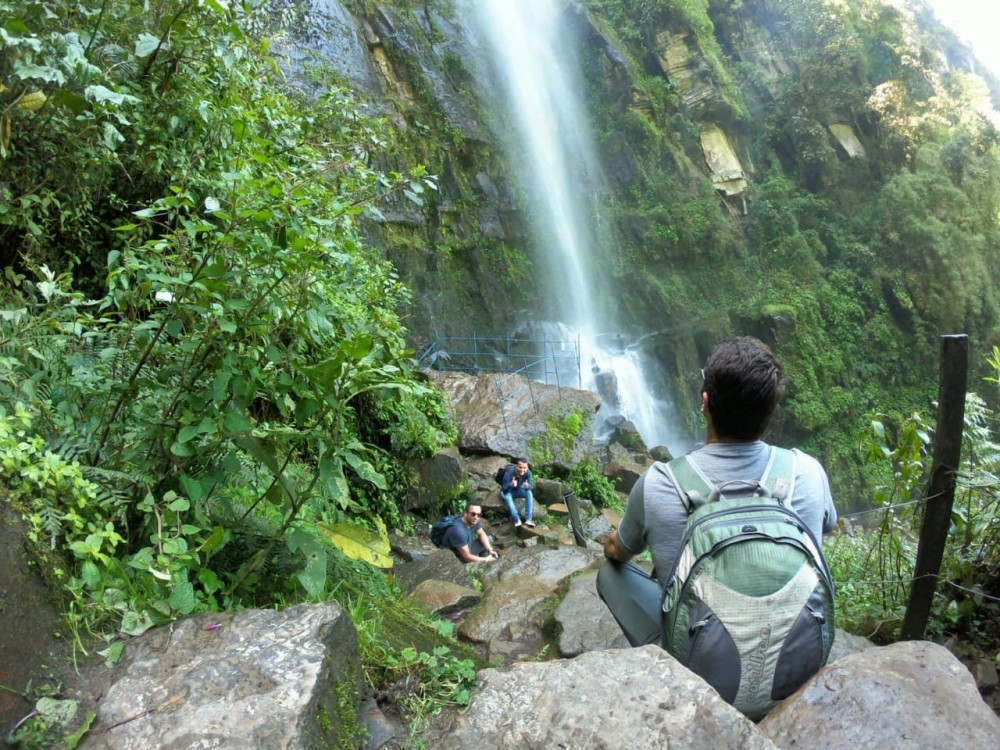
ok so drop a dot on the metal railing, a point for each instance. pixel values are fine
(550, 361)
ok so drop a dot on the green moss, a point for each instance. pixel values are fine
(347, 733)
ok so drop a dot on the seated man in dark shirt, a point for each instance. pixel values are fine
(468, 540)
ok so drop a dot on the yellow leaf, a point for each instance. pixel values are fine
(31, 102)
(4, 132)
(359, 543)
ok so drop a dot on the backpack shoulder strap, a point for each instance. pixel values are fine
(779, 476)
(691, 484)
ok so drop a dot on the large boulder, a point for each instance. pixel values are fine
(257, 678)
(506, 414)
(635, 698)
(441, 477)
(439, 565)
(585, 623)
(909, 694)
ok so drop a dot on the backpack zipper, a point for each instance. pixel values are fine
(719, 519)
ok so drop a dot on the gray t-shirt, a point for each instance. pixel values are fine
(655, 514)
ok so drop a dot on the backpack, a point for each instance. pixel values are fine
(749, 604)
(441, 526)
(500, 472)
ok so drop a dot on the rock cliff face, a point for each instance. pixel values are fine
(752, 155)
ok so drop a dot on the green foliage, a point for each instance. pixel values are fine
(561, 433)
(874, 567)
(49, 724)
(106, 585)
(588, 482)
(423, 681)
(218, 362)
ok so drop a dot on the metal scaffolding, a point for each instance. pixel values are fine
(552, 361)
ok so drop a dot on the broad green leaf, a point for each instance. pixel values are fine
(146, 45)
(71, 100)
(313, 576)
(113, 653)
(98, 93)
(359, 543)
(90, 574)
(58, 712)
(207, 424)
(209, 581)
(72, 741)
(331, 471)
(179, 505)
(357, 348)
(365, 470)
(188, 433)
(112, 137)
(182, 450)
(220, 385)
(135, 623)
(192, 487)
(182, 598)
(327, 372)
(25, 70)
(235, 423)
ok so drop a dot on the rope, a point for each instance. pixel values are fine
(897, 581)
(884, 509)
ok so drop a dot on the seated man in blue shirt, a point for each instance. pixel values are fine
(518, 482)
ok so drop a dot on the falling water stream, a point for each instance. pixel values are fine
(531, 55)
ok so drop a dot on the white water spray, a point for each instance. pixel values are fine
(529, 44)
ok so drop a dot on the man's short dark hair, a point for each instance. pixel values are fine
(744, 381)
(471, 504)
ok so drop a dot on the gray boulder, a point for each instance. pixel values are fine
(256, 678)
(910, 694)
(440, 478)
(585, 623)
(634, 698)
(439, 565)
(504, 413)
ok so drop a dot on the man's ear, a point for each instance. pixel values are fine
(704, 402)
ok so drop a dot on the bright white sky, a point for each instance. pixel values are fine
(977, 22)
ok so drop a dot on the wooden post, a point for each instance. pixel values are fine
(947, 457)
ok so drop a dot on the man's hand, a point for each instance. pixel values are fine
(614, 551)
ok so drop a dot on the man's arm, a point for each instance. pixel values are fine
(613, 550)
(484, 539)
(632, 522)
(468, 557)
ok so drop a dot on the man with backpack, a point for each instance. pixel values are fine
(740, 592)
(517, 482)
(465, 536)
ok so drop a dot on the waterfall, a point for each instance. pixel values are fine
(533, 60)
